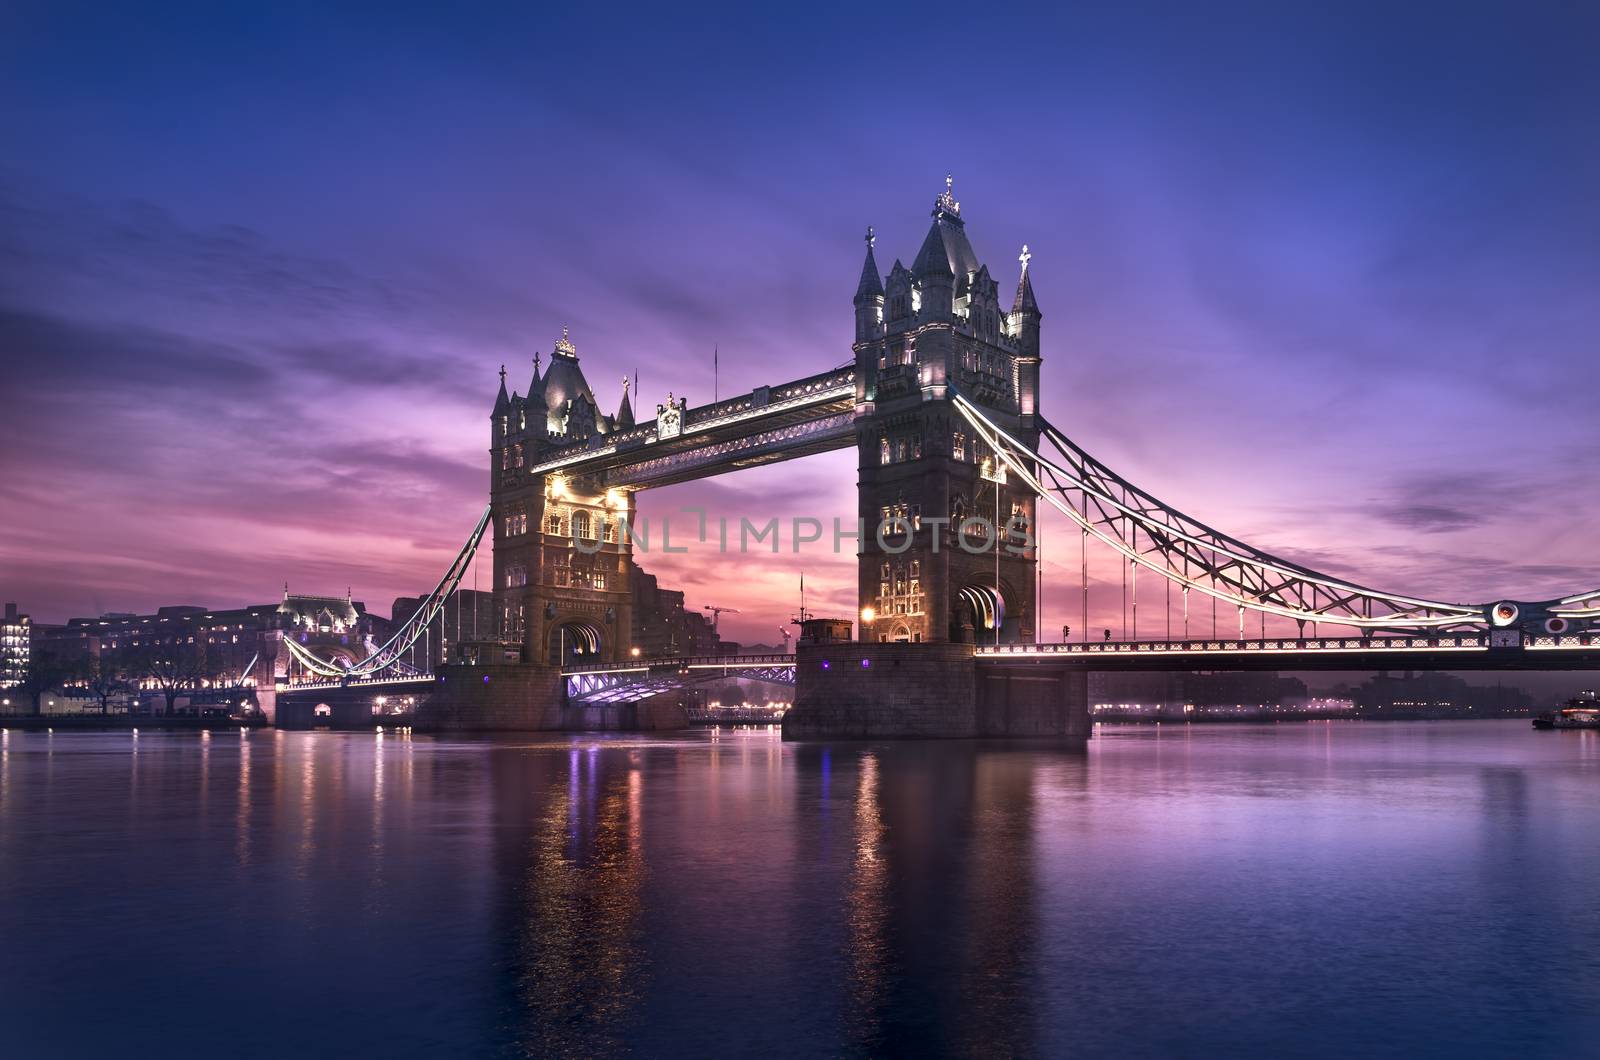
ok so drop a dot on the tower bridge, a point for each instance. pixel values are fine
(941, 401)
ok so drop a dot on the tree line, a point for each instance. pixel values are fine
(172, 669)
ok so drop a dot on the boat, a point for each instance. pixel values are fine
(1580, 712)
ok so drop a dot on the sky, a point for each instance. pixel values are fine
(1321, 275)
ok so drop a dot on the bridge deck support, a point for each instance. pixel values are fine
(493, 697)
(854, 690)
(523, 697)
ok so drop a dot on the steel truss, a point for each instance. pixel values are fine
(387, 656)
(1196, 557)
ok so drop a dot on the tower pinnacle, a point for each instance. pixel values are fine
(1024, 302)
(870, 289)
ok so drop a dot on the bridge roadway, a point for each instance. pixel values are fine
(1458, 651)
(771, 423)
(1451, 651)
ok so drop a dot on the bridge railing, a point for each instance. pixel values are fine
(1268, 645)
(692, 662)
(355, 682)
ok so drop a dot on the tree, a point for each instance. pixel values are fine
(172, 666)
(102, 676)
(46, 672)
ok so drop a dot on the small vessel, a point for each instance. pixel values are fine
(1580, 712)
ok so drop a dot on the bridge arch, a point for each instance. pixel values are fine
(978, 609)
(574, 643)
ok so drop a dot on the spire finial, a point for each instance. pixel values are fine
(947, 200)
(1024, 257)
(536, 358)
(564, 344)
(949, 183)
(871, 237)
(624, 386)
(286, 590)
(502, 375)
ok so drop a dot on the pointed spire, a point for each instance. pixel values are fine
(286, 590)
(502, 401)
(871, 285)
(1024, 302)
(934, 258)
(625, 412)
(536, 386)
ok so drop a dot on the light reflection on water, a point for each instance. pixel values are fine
(1315, 889)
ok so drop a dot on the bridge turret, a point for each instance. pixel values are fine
(536, 384)
(869, 297)
(1023, 325)
(920, 470)
(624, 418)
(502, 401)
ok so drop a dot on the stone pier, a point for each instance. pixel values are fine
(518, 697)
(858, 690)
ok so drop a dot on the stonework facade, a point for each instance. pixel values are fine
(923, 335)
(560, 559)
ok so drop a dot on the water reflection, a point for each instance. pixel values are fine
(866, 911)
(576, 962)
(1272, 890)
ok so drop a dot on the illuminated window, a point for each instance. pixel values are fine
(958, 446)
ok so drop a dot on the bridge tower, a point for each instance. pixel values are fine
(560, 558)
(920, 333)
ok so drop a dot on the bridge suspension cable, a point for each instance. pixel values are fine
(1192, 555)
(390, 653)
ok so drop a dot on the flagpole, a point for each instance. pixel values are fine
(716, 388)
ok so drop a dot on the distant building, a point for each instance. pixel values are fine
(1437, 695)
(663, 626)
(233, 646)
(467, 615)
(16, 638)
(1179, 695)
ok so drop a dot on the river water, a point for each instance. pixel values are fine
(1315, 889)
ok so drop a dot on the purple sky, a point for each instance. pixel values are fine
(1326, 279)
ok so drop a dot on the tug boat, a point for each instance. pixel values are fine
(1580, 712)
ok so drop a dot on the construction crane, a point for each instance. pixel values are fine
(718, 612)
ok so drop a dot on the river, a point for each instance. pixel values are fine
(1315, 889)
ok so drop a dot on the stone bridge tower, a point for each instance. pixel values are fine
(919, 332)
(560, 562)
